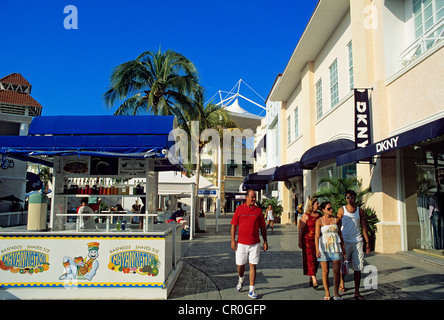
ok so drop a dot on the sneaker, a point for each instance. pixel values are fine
(239, 284)
(252, 294)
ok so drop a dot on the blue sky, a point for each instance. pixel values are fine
(69, 70)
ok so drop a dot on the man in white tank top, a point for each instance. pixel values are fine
(352, 217)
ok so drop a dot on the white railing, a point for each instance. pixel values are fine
(147, 222)
(422, 44)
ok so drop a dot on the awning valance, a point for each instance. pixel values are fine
(287, 171)
(282, 173)
(428, 131)
(261, 176)
(254, 186)
(325, 151)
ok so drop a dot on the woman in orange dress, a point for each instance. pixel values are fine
(307, 231)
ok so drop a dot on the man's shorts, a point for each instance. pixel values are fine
(355, 255)
(250, 253)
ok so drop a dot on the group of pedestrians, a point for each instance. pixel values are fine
(323, 237)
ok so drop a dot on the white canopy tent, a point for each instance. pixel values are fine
(176, 185)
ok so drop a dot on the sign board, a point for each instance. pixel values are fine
(362, 119)
(84, 261)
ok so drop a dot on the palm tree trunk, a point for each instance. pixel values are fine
(196, 193)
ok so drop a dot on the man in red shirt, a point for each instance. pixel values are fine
(248, 220)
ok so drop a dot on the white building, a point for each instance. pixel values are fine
(394, 49)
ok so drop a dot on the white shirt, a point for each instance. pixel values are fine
(87, 222)
(351, 221)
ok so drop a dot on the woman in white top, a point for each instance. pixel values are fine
(329, 248)
(270, 218)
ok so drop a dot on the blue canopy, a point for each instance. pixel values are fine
(324, 151)
(287, 171)
(112, 136)
(101, 125)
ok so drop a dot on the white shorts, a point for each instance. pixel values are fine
(355, 255)
(250, 253)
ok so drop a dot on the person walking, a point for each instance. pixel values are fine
(270, 218)
(329, 248)
(247, 221)
(353, 220)
(307, 231)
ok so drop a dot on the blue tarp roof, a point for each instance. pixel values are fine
(101, 125)
(113, 136)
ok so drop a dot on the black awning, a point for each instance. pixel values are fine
(324, 151)
(428, 131)
(261, 176)
(287, 171)
(254, 186)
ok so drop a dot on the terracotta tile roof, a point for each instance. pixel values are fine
(18, 98)
(15, 78)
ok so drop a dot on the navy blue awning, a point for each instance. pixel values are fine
(260, 177)
(288, 171)
(254, 186)
(325, 151)
(428, 131)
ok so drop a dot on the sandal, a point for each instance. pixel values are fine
(342, 289)
(359, 297)
(313, 285)
(327, 298)
(338, 298)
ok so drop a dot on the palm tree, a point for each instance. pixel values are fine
(155, 82)
(210, 116)
(334, 191)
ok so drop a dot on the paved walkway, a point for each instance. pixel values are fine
(209, 271)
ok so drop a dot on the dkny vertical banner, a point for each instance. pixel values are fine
(362, 119)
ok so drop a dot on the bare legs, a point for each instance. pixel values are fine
(336, 277)
(252, 275)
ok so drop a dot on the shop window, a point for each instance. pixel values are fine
(429, 161)
(332, 171)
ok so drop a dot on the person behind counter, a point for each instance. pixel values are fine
(86, 222)
(118, 207)
(179, 213)
(142, 211)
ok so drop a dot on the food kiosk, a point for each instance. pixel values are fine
(116, 254)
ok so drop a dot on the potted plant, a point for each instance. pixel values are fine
(276, 205)
(372, 220)
(45, 175)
